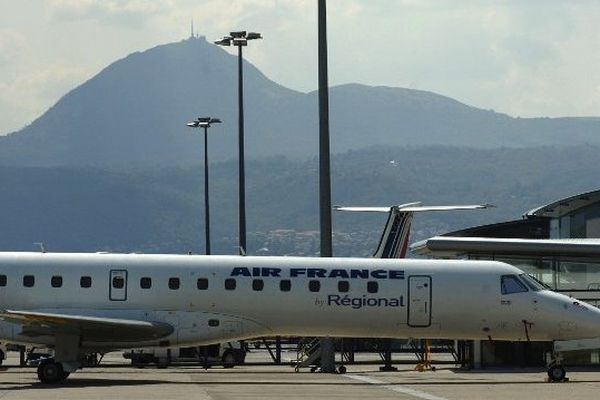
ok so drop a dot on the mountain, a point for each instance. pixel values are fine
(133, 113)
(161, 210)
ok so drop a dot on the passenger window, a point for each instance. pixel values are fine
(258, 284)
(28, 281)
(230, 284)
(173, 283)
(56, 281)
(145, 282)
(202, 283)
(372, 287)
(2, 280)
(85, 281)
(511, 284)
(343, 286)
(285, 285)
(118, 282)
(314, 286)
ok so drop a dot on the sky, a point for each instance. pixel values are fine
(525, 58)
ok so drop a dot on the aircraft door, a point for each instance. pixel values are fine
(118, 285)
(419, 301)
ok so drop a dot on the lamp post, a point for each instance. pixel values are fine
(240, 39)
(205, 122)
(327, 345)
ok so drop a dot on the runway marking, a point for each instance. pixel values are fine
(396, 388)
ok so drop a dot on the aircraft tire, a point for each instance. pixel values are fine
(556, 373)
(51, 372)
(229, 360)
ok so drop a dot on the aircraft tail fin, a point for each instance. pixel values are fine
(396, 232)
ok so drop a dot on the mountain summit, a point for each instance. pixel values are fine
(133, 114)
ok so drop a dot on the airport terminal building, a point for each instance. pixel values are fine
(569, 262)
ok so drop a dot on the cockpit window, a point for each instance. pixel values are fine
(511, 284)
(533, 283)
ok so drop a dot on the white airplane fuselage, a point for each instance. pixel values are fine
(385, 298)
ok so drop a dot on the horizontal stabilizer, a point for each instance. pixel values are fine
(413, 207)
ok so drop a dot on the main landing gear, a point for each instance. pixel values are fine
(51, 372)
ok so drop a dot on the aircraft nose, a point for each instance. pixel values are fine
(568, 318)
(582, 320)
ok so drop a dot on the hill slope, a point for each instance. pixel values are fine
(74, 209)
(133, 114)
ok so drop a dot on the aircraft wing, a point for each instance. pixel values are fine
(94, 329)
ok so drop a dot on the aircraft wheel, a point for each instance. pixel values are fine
(229, 360)
(342, 369)
(556, 373)
(51, 372)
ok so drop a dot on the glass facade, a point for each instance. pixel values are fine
(578, 275)
(560, 274)
(581, 223)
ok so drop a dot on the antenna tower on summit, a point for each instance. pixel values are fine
(192, 29)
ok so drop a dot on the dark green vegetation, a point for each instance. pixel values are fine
(160, 210)
(133, 114)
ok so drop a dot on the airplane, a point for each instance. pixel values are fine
(82, 303)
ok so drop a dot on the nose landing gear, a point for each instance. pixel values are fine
(556, 372)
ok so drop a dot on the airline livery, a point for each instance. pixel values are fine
(84, 303)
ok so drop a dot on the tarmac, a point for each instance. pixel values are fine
(119, 380)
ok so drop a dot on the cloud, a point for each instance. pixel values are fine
(28, 95)
(132, 13)
(11, 44)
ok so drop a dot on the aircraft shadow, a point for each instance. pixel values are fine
(98, 383)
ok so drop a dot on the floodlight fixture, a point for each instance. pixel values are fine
(226, 41)
(253, 35)
(203, 122)
(238, 38)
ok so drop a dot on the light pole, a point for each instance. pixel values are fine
(205, 122)
(240, 39)
(327, 345)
